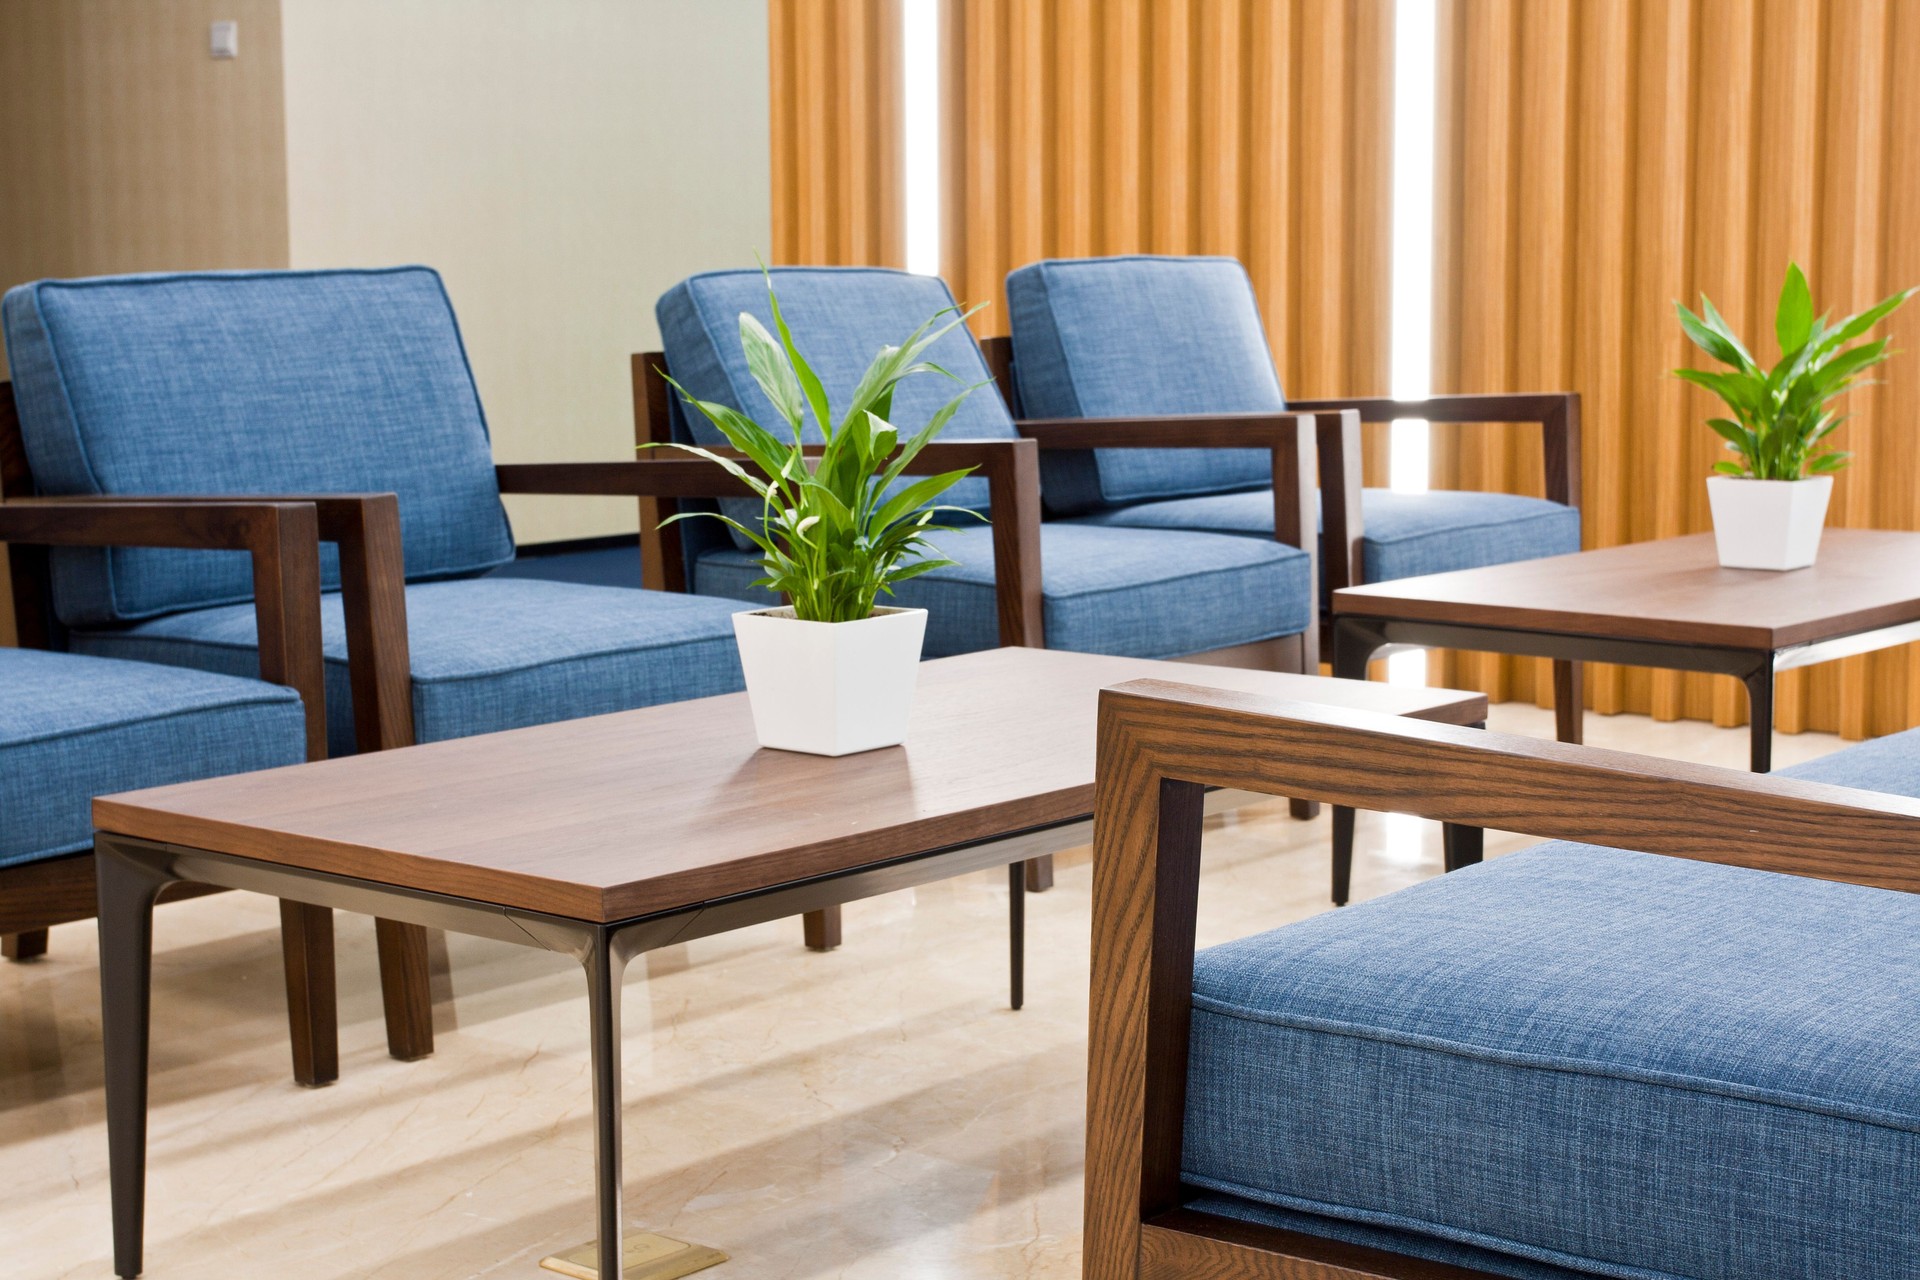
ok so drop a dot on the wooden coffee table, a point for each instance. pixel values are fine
(1654, 604)
(607, 837)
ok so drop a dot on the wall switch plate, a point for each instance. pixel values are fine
(223, 40)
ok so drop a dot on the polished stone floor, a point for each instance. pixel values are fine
(874, 1112)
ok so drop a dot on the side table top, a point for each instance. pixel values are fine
(622, 815)
(1672, 590)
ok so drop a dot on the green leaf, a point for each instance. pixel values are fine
(916, 495)
(809, 381)
(1827, 463)
(769, 367)
(1718, 324)
(1729, 468)
(1855, 325)
(1793, 319)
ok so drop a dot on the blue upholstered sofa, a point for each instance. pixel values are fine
(350, 392)
(1141, 335)
(1138, 592)
(1572, 1061)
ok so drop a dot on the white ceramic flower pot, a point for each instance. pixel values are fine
(1768, 524)
(830, 688)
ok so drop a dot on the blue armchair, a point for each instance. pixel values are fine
(1103, 337)
(1154, 593)
(1571, 1061)
(350, 391)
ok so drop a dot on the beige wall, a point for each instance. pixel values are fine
(561, 163)
(127, 148)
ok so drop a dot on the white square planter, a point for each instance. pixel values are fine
(1768, 524)
(830, 688)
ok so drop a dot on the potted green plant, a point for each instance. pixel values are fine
(833, 671)
(1770, 505)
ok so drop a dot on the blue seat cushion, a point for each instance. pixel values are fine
(840, 318)
(1140, 336)
(1890, 764)
(74, 727)
(250, 382)
(1607, 1062)
(1403, 534)
(488, 653)
(1142, 593)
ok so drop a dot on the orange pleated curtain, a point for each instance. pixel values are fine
(1601, 158)
(835, 96)
(1256, 128)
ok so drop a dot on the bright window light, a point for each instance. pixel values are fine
(1411, 370)
(920, 59)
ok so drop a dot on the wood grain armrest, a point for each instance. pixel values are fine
(1294, 438)
(1011, 469)
(659, 475)
(1161, 745)
(1557, 412)
(282, 538)
(366, 529)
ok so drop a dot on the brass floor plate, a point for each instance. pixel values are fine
(648, 1256)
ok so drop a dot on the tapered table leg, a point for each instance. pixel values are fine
(1342, 854)
(1462, 846)
(1354, 645)
(605, 966)
(1760, 717)
(126, 892)
(821, 928)
(1017, 931)
(1569, 701)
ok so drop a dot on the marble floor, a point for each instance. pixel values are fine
(873, 1112)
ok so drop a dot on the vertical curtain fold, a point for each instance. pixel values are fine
(835, 90)
(1600, 159)
(1256, 128)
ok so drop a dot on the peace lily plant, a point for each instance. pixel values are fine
(1770, 500)
(840, 526)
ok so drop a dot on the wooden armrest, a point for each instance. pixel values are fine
(1294, 438)
(1538, 787)
(1557, 412)
(1011, 469)
(366, 529)
(656, 476)
(283, 539)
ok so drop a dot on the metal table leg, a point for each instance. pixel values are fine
(127, 890)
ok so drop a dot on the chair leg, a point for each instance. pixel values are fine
(1039, 873)
(1017, 935)
(306, 944)
(406, 988)
(29, 944)
(822, 928)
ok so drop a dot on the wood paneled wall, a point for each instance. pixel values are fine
(1257, 128)
(1600, 159)
(836, 93)
(127, 148)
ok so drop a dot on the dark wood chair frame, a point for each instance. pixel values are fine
(283, 539)
(1012, 471)
(1162, 745)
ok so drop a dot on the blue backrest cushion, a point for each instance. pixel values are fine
(840, 317)
(250, 382)
(1140, 337)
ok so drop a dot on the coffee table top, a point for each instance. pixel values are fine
(623, 815)
(1672, 590)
